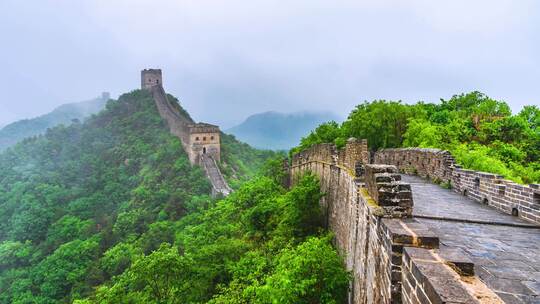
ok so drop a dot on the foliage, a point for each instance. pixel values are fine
(81, 204)
(381, 122)
(111, 211)
(239, 161)
(243, 249)
(479, 131)
(329, 132)
(308, 273)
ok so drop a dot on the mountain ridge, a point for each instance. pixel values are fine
(73, 199)
(279, 131)
(14, 132)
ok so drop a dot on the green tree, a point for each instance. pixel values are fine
(310, 273)
(161, 277)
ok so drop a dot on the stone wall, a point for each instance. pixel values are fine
(504, 195)
(200, 141)
(369, 210)
(487, 188)
(196, 138)
(434, 164)
(434, 276)
(384, 185)
(178, 124)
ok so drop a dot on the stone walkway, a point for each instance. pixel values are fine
(215, 176)
(506, 255)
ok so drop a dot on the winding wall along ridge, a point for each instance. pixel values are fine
(179, 126)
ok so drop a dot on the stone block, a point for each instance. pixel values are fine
(417, 235)
(436, 282)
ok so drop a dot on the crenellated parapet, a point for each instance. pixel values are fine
(393, 196)
(369, 209)
(434, 164)
(355, 151)
(490, 189)
(493, 190)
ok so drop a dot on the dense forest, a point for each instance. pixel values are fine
(480, 132)
(110, 211)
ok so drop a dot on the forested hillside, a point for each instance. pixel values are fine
(86, 205)
(480, 132)
(262, 244)
(64, 114)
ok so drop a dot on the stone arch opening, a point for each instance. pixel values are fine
(464, 192)
(536, 198)
(485, 201)
(204, 150)
(515, 211)
(477, 182)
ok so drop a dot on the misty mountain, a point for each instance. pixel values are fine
(64, 114)
(279, 131)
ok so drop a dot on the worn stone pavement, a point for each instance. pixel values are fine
(506, 257)
(215, 176)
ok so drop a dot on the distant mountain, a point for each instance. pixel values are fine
(64, 114)
(279, 131)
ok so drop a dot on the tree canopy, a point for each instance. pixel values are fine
(84, 204)
(480, 132)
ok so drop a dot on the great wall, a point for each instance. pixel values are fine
(404, 238)
(201, 141)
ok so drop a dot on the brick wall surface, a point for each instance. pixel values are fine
(368, 209)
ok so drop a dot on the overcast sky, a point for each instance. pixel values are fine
(228, 59)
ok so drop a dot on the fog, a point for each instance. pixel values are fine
(226, 60)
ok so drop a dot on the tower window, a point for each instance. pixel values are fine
(197, 138)
(211, 137)
(204, 138)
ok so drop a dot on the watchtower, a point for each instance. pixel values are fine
(203, 139)
(150, 78)
(105, 96)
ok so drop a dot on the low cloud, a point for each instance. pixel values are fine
(228, 59)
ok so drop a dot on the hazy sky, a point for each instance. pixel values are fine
(227, 59)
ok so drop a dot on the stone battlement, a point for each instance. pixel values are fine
(202, 128)
(369, 210)
(491, 189)
(355, 152)
(429, 163)
(384, 185)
